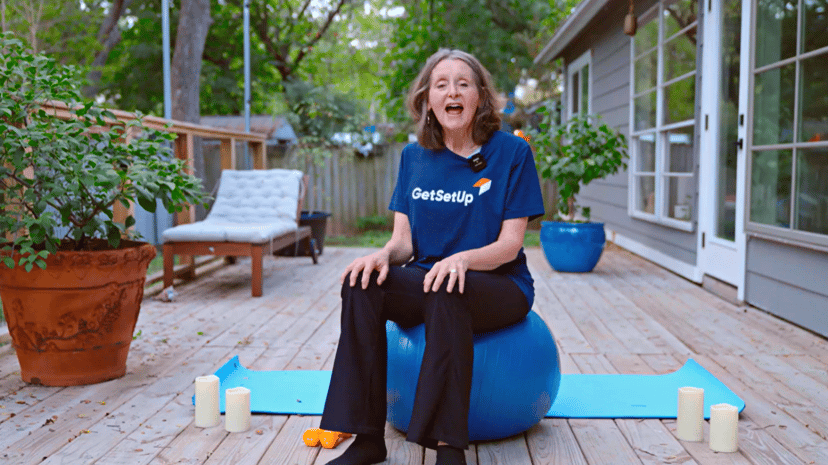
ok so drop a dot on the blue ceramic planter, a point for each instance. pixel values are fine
(572, 247)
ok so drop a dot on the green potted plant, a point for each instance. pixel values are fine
(71, 274)
(573, 154)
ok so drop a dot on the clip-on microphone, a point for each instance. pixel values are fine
(477, 162)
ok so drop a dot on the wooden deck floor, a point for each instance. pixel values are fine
(628, 316)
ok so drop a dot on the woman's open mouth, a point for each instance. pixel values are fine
(454, 109)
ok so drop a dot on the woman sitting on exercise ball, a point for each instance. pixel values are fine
(455, 262)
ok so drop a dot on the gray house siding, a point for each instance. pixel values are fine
(789, 282)
(610, 74)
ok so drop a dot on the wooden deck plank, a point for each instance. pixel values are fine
(568, 335)
(288, 448)
(661, 338)
(552, 442)
(78, 411)
(508, 451)
(624, 328)
(703, 329)
(782, 392)
(594, 330)
(602, 442)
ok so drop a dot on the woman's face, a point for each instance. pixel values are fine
(453, 95)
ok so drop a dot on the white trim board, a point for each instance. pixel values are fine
(685, 270)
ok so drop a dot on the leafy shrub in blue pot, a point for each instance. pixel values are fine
(573, 154)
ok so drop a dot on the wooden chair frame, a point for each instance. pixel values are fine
(256, 251)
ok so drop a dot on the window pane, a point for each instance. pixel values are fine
(680, 55)
(679, 15)
(680, 193)
(815, 19)
(775, 31)
(645, 72)
(680, 150)
(680, 101)
(773, 106)
(813, 99)
(575, 100)
(585, 89)
(728, 120)
(645, 152)
(646, 194)
(770, 188)
(646, 37)
(812, 190)
(645, 111)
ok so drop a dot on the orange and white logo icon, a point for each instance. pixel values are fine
(484, 184)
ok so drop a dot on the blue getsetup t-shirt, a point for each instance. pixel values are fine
(452, 209)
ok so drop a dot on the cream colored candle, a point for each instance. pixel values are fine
(724, 428)
(207, 401)
(690, 414)
(237, 411)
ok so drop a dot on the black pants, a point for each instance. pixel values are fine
(356, 400)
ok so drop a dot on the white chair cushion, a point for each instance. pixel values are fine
(251, 206)
(217, 231)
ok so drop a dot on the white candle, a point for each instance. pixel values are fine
(237, 413)
(207, 401)
(690, 414)
(724, 428)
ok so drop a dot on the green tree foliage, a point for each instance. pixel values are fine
(63, 29)
(502, 34)
(284, 38)
(133, 77)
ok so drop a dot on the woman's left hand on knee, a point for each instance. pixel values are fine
(451, 268)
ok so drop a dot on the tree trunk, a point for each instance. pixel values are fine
(193, 24)
(109, 35)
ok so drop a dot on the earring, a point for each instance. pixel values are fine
(428, 119)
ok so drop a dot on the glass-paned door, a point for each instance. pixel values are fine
(721, 244)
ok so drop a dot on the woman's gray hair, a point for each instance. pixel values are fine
(486, 119)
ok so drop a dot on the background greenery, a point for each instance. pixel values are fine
(363, 51)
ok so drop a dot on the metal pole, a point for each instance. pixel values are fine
(165, 34)
(247, 80)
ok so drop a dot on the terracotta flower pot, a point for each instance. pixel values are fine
(73, 322)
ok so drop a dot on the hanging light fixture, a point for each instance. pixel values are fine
(630, 23)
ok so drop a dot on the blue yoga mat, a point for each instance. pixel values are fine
(580, 396)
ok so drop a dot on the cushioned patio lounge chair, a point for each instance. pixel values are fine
(255, 213)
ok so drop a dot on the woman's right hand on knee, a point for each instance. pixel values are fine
(366, 265)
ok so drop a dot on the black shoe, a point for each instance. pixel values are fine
(365, 450)
(447, 455)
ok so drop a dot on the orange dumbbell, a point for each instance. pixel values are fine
(331, 439)
(311, 437)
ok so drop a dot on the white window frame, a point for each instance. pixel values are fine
(795, 237)
(660, 130)
(577, 67)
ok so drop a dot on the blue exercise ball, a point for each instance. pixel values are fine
(515, 377)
